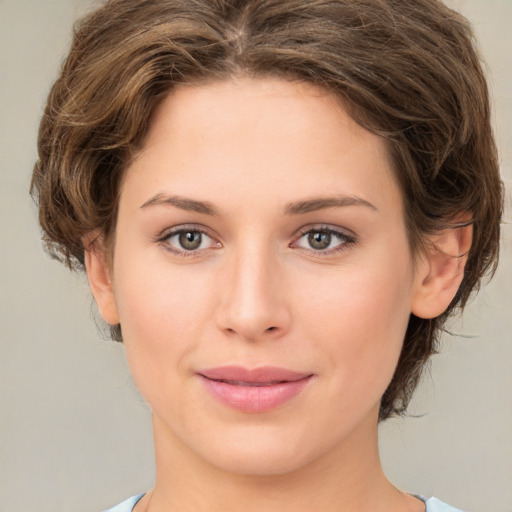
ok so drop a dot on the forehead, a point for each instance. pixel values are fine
(232, 109)
(266, 139)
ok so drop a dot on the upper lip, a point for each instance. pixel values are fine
(262, 374)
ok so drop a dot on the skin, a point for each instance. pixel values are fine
(257, 293)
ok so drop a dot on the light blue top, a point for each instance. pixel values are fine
(432, 505)
(126, 506)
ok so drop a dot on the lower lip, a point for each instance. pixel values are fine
(254, 399)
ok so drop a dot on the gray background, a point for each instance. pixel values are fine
(74, 434)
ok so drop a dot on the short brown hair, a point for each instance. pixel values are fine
(406, 70)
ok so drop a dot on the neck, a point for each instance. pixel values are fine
(349, 477)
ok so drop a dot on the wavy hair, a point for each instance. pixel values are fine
(406, 70)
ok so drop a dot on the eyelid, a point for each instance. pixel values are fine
(168, 233)
(346, 236)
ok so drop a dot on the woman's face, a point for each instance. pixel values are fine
(261, 275)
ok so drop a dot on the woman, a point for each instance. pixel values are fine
(278, 204)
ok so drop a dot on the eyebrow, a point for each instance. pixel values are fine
(320, 203)
(184, 203)
(293, 208)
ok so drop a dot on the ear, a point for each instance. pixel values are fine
(441, 270)
(99, 276)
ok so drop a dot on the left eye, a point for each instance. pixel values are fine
(323, 240)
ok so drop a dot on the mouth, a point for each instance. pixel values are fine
(254, 390)
(252, 384)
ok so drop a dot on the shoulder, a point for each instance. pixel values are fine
(435, 505)
(127, 505)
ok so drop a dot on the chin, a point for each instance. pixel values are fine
(266, 462)
(260, 452)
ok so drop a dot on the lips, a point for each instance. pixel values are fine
(253, 390)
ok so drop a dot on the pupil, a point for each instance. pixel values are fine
(319, 239)
(190, 240)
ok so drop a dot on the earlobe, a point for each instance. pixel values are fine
(441, 270)
(98, 274)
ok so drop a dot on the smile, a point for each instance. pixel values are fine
(253, 391)
(243, 383)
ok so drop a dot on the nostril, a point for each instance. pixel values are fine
(271, 329)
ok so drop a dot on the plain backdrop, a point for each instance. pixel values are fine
(75, 435)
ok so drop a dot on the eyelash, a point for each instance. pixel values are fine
(164, 240)
(346, 240)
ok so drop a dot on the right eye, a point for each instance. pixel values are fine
(188, 241)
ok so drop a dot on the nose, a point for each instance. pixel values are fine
(253, 304)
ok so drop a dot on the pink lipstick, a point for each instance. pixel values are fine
(252, 391)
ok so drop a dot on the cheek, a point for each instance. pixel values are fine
(162, 316)
(358, 318)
